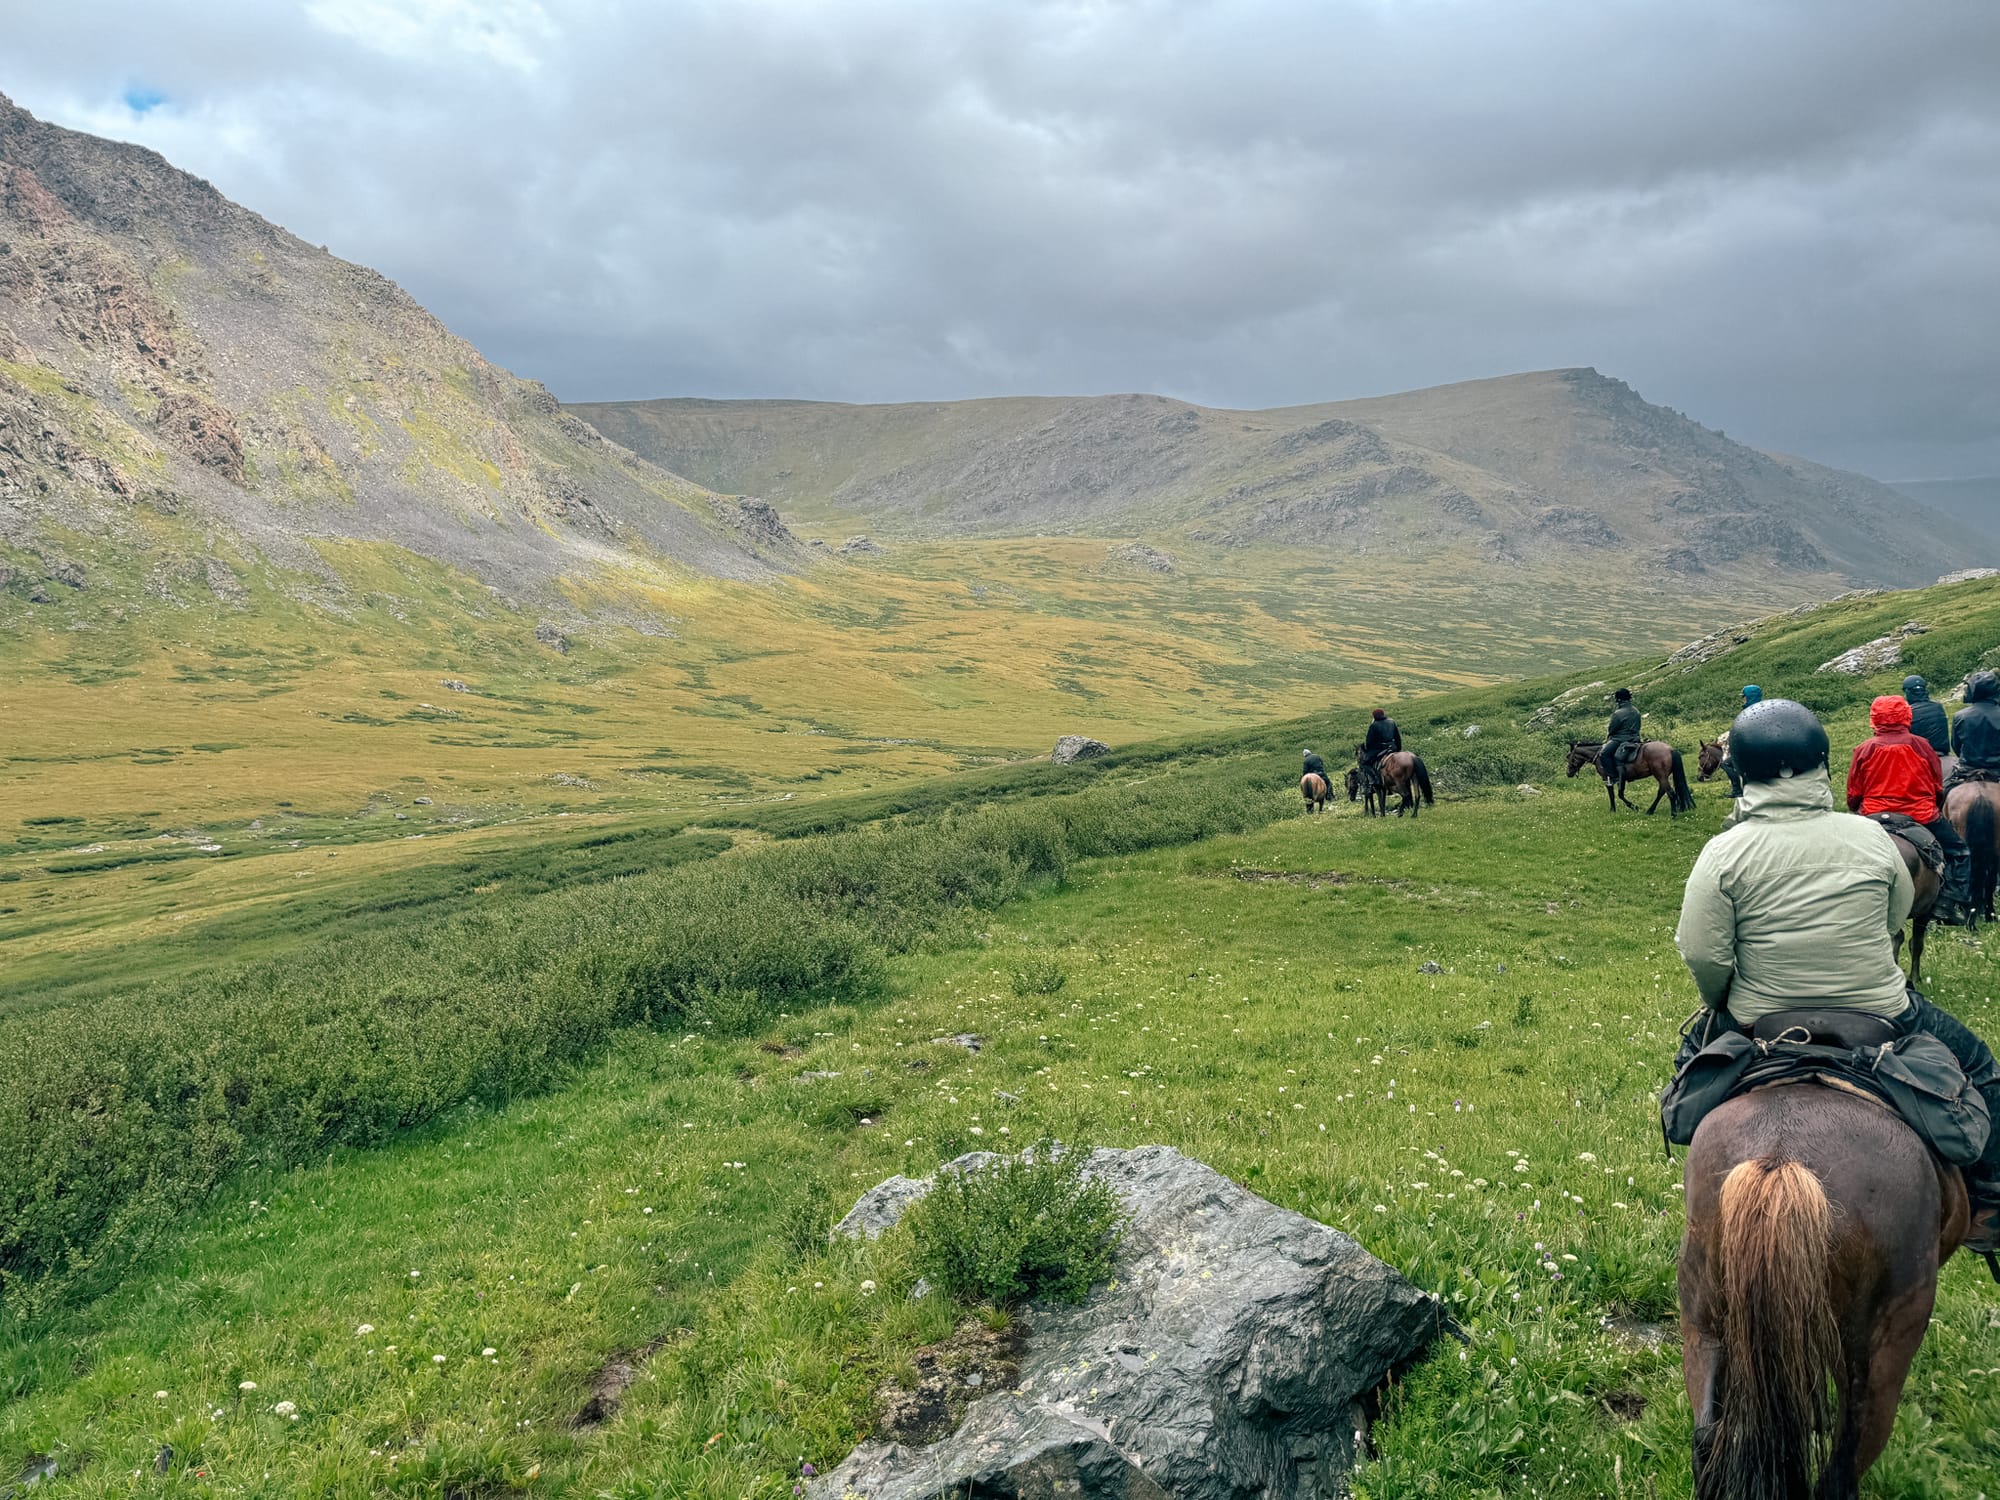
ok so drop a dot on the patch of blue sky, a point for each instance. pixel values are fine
(142, 99)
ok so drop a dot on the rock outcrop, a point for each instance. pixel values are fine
(1075, 747)
(1878, 655)
(1228, 1356)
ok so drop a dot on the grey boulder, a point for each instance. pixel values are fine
(1228, 1355)
(1075, 747)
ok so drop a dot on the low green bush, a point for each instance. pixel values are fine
(1039, 974)
(1025, 1227)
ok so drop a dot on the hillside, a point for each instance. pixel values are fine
(1973, 503)
(390, 1214)
(195, 404)
(1562, 466)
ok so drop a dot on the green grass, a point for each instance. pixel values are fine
(1246, 996)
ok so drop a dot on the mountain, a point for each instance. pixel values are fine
(189, 389)
(1560, 465)
(1973, 503)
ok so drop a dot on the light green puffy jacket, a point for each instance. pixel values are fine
(1796, 905)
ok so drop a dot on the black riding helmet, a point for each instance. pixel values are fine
(1777, 738)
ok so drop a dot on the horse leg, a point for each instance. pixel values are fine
(1871, 1398)
(1701, 1356)
(1656, 799)
(1918, 928)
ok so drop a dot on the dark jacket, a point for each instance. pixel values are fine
(1927, 720)
(1975, 730)
(1383, 736)
(1624, 724)
(1317, 767)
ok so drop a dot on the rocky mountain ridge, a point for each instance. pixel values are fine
(185, 384)
(1551, 466)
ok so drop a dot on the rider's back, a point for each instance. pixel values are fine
(1975, 735)
(1796, 905)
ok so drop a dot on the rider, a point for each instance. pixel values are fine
(1927, 720)
(1383, 737)
(1975, 728)
(1895, 772)
(1623, 730)
(1315, 767)
(1751, 694)
(1799, 906)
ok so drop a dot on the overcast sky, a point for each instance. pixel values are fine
(1782, 218)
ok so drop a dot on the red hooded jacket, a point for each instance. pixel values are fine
(1895, 771)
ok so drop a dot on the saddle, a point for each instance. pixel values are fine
(1624, 752)
(1962, 773)
(1913, 833)
(1913, 1075)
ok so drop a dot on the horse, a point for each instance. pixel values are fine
(1657, 759)
(1974, 810)
(1816, 1223)
(1400, 771)
(1313, 787)
(1930, 885)
(1708, 760)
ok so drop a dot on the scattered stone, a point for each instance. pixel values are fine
(1430, 966)
(1878, 655)
(563, 778)
(203, 431)
(70, 575)
(554, 639)
(935, 1403)
(1528, 791)
(1472, 731)
(964, 1039)
(453, 684)
(1139, 555)
(1075, 747)
(861, 546)
(1229, 1354)
(1006, 1098)
(1966, 575)
(39, 595)
(758, 520)
(816, 1077)
(423, 802)
(1546, 715)
(609, 1385)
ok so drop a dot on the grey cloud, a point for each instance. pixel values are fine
(1782, 218)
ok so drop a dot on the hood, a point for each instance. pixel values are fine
(1983, 687)
(1789, 796)
(1889, 712)
(1915, 689)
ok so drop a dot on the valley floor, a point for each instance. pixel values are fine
(428, 1318)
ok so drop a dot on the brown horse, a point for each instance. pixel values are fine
(1974, 810)
(1816, 1223)
(1657, 759)
(1708, 760)
(1929, 886)
(1313, 787)
(1400, 771)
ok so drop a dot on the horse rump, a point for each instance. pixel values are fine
(1781, 1341)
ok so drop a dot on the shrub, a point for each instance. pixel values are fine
(1039, 974)
(1029, 1226)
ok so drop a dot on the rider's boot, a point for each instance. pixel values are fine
(1956, 897)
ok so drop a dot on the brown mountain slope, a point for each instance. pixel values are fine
(179, 376)
(1554, 465)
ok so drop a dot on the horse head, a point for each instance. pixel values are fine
(1581, 754)
(1354, 785)
(1709, 760)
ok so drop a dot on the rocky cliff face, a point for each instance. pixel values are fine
(165, 353)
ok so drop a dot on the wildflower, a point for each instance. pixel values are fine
(159, 1395)
(415, 1274)
(437, 1359)
(246, 1385)
(1568, 1257)
(286, 1409)
(978, 1130)
(1521, 1165)
(364, 1330)
(1586, 1156)
(487, 1353)
(645, 1210)
(1479, 1182)
(1381, 1208)
(867, 1288)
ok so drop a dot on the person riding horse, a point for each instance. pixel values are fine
(1314, 766)
(1975, 732)
(1799, 906)
(1751, 694)
(1622, 737)
(1383, 737)
(1927, 720)
(1896, 772)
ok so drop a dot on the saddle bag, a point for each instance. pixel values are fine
(1918, 837)
(1914, 1075)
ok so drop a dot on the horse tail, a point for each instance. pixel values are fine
(1683, 794)
(1781, 1343)
(1979, 835)
(1422, 778)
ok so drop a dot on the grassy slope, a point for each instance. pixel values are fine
(285, 739)
(1231, 999)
